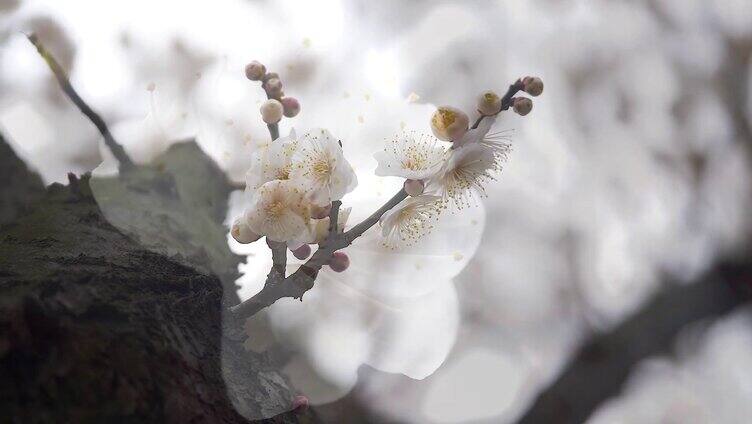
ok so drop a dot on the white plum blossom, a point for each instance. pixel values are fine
(464, 174)
(242, 233)
(278, 211)
(413, 218)
(320, 167)
(271, 162)
(498, 141)
(411, 155)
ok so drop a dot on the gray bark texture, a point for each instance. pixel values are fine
(112, 292)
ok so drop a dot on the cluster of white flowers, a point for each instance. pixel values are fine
(439, 175)
(294, 180)
(292, 183)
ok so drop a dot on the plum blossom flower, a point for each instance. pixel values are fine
(498, 142)
(410, 220)
(465, 174)
(410, 155)
(320, 167)
(271, 162)
(278, 211)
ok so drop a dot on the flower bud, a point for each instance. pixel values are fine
(533, 86)
(339, 262)
(414, 187)
(255, 71)
(291, 106)
(242, 233)
(300, 403)
(489, 103)
(271, 111)
(302, 252)
(449, 123)
(320, 212)
(522, 105)
(273, 87)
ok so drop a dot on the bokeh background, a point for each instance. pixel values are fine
(631, 174)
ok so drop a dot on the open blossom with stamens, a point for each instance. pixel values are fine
(465, 174)
(498, 142)
(278, 211)
(321, 168)
(273, 162)
(410, 220)
(410, 155)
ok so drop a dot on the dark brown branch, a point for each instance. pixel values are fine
(600, 368)
(117, 150)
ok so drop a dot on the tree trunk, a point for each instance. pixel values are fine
(96, 325)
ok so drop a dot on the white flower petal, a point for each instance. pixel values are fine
(411, 155)
(321, 168)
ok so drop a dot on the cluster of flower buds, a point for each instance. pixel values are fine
(450, 124)
(276, 105)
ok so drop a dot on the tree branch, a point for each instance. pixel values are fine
(369, 222)
(302, 280)
(600, 368)
(117, 150)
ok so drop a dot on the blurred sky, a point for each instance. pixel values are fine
(631, 166)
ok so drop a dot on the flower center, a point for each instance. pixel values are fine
(414, 163)
(284, 173)
(321, 168)
(276, 209)
(444, 118)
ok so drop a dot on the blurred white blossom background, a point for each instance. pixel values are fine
(629, 168)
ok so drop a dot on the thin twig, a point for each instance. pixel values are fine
(117, 150)
(369, 222)
(334, 217)
(302, 280)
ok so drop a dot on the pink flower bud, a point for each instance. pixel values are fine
(271, 111)
(489, 103)
(522, 105)
(533, 86)
(339, 262)
(302, 252)
(242, 233)
(255, 71)
(414, 187)
(300, 403)
(449, 123)
(291, 106)
(320, 212)
(273, 87)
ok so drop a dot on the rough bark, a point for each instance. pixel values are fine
(105, 323)
(20, 186)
